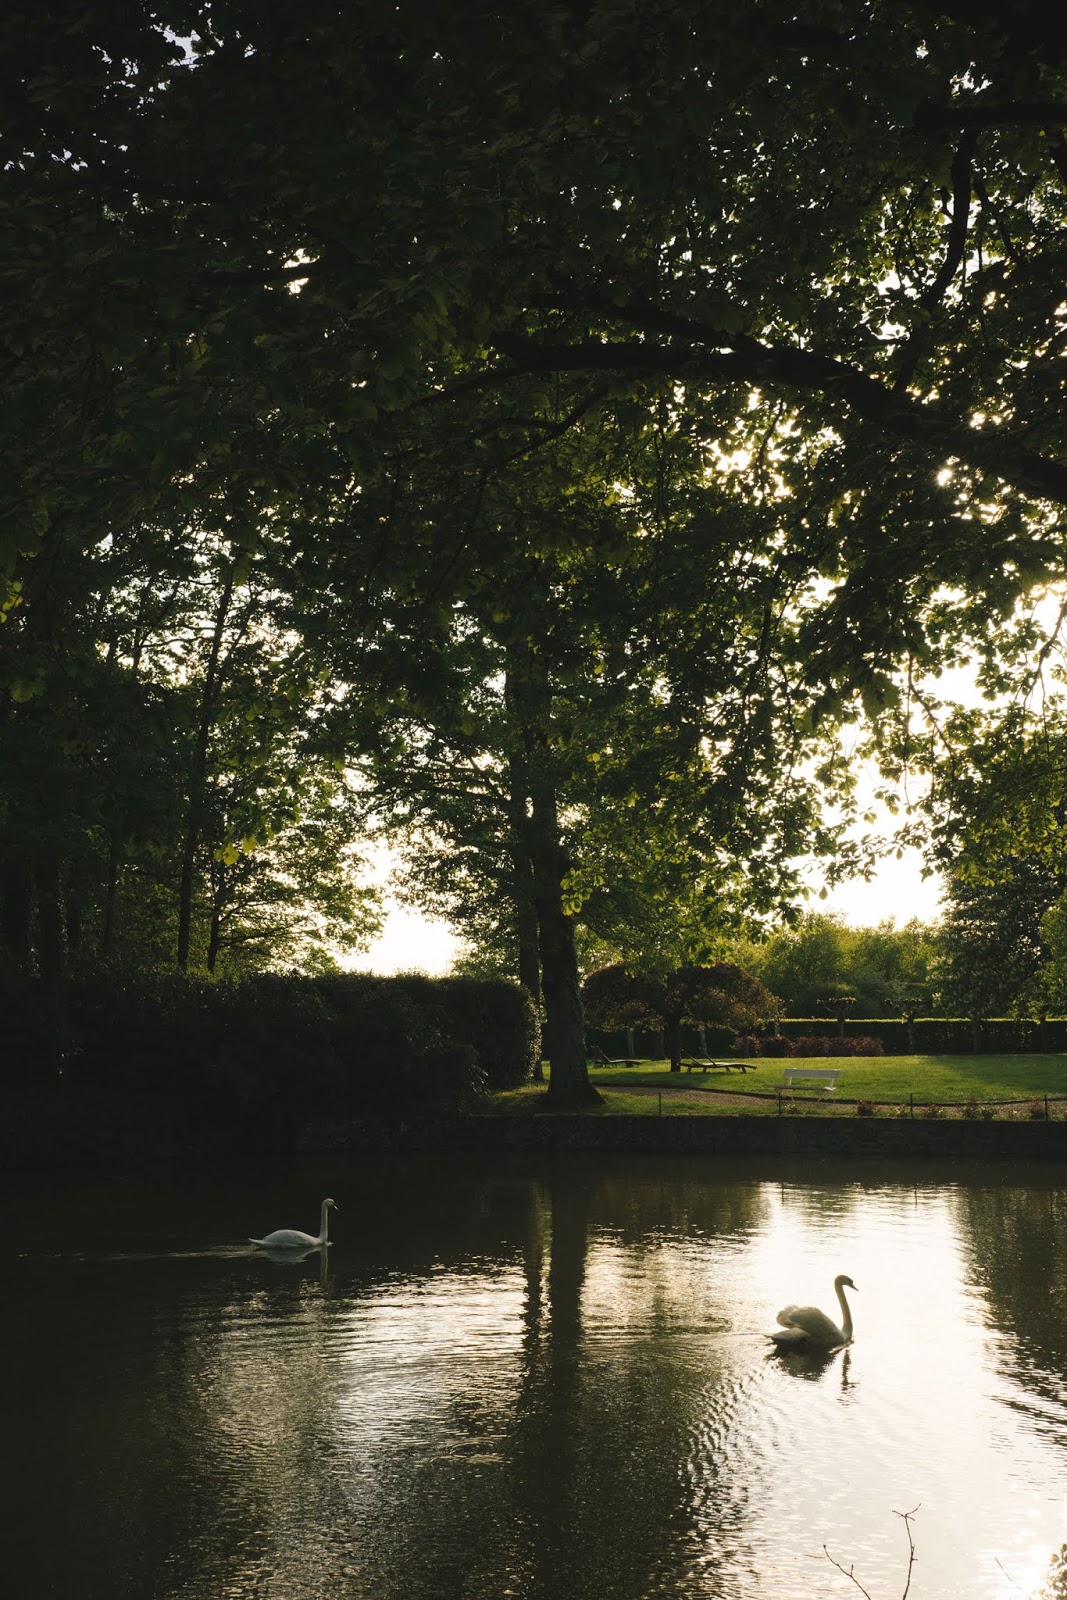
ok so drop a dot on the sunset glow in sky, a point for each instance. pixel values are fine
(410, 942)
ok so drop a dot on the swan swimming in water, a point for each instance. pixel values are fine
(807, 1325)
(293, 1239)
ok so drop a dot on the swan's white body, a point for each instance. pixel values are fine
(293, 1239)
(807, 1325)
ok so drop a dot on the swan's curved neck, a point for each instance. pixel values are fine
(846, 1314)
(324, 1224)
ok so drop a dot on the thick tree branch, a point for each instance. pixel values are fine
(911, 351)
(957, 233)
(708, 356)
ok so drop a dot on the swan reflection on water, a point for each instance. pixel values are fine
(289, 1255)
(812, 1363)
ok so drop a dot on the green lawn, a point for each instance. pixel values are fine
(887, 1080)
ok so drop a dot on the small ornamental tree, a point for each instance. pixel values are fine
(723, 993)
(839, 1005)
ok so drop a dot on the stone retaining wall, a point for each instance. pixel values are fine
(725, 1135)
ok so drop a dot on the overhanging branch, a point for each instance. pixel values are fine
(708, 357)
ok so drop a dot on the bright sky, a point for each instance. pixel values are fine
(410, 942)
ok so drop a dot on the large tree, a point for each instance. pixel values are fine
(998, 828)
(256, 248)
(575, 677)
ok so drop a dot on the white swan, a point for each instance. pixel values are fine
(807, 1325)
(293, 1239)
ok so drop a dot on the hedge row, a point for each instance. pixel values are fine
(929, 1036)
(807, 1045)
(191, 1062)
(943, 1035)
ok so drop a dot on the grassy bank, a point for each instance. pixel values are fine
(1011, 1082)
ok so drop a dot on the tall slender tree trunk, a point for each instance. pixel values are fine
(75, 902)
(198, 769)
(49, 918)
(50, 950)
(111, 892)
(16, 915)
(528, 694)
(218, 906)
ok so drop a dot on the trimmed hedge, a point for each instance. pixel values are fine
(931, 1035)
(943, 1035)
(145, 1060)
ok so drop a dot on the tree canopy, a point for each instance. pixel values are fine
(723, 993)
(608, 398)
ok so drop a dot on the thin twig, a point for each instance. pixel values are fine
(906, 1517)
(1007, 1574)
(848, 1572)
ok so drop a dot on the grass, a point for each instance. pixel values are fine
(881, 1080)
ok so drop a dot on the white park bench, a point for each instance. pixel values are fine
(825, 1077)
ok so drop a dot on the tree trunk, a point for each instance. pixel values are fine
(564, 1023)
(528, 696)
(673, 1032)
(218, 901)
(198, 774)
(111, 893)
(16, 905)
(49, 920)
(75, 914)
(50, 951)
(525, 907)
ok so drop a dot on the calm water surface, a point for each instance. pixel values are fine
(540, 1379)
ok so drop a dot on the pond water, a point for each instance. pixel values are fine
(546, 1379)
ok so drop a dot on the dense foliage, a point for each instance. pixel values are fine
(558, 413)
(163, 1063)
(820, 962)
(723, 994)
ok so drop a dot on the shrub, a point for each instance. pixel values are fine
(933, 1112)
(862, 1045)
(866, 1108)
(494, 1017)
(772, 1047)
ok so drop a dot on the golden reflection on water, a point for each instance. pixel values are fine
(557, 1385)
